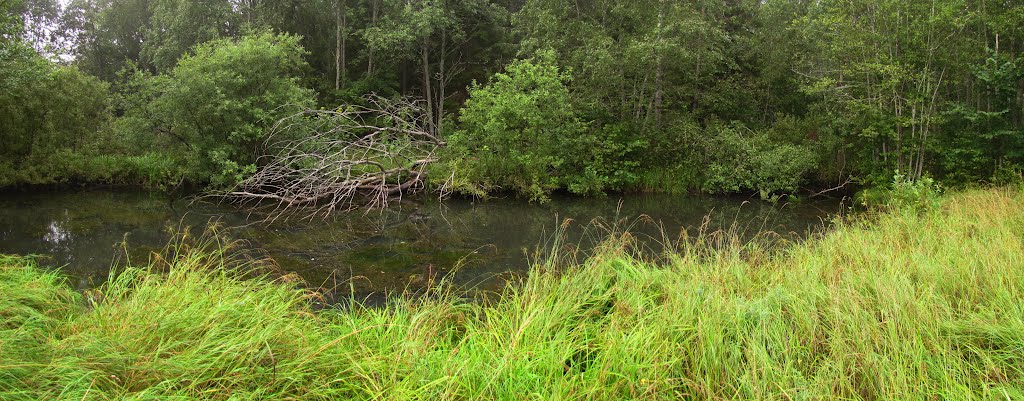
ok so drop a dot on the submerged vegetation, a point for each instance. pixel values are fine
(908, 303)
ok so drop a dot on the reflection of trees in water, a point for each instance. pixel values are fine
(391, 248)
(57, 237)
(80, 231)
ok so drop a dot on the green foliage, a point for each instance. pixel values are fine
(216, 105)
(867, 87)
(631, 60)
(739, 159)
(903, 194)
(47, 113)
(908, 90)
(520, 133)
(984, 139)
(178, 26)
(614, 159)
(10, 21)
(107, 36)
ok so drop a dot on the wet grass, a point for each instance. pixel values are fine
(902, 305)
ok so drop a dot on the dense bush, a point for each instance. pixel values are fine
(216, 105)
(739, 159)
(903, 194)
(48, 112)
(986, 139)
(520, 133)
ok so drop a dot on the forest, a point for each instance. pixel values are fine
(258, 98)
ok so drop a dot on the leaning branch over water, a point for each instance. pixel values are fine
(355, 156)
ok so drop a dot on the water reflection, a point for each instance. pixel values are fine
(478, 243)
(58, 237)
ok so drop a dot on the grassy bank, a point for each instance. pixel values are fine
(905, 305)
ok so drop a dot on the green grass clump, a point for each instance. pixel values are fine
(34, 305)
(905, 305)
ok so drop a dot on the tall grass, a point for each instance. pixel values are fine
(905, 305)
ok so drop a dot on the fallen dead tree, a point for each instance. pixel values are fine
(357, 156)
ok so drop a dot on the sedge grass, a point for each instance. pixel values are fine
(900, 306)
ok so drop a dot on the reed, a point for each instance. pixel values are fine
(905, 305)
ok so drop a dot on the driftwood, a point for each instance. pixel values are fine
(319, 162)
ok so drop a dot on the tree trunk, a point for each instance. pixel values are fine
(441, 81)
(370, 54)
(659, 74)
(427, 93)
(341, 33)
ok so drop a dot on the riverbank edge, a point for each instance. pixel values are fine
(906, 304)
(130, 176)
(195, 191)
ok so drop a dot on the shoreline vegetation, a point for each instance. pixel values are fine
(919, 301)
(343, 104)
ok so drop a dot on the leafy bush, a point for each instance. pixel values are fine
(985, 141)
(47, 111)
(217, 103)
(204, 122)
(739, 159)
(903, 193)
(520, 133)
(616, 159)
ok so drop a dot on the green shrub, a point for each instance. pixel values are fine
(903, 193)
(46, 112)
(739, 159)
(520, 133)
(217, 104)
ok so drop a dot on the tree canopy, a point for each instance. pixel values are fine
(531, 96)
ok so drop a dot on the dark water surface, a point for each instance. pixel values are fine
(82, 232)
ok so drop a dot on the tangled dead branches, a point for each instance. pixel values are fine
(322, 161)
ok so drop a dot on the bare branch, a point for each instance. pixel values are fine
(356, 156)
(848, 181)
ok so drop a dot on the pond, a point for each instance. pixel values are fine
(84, 232)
